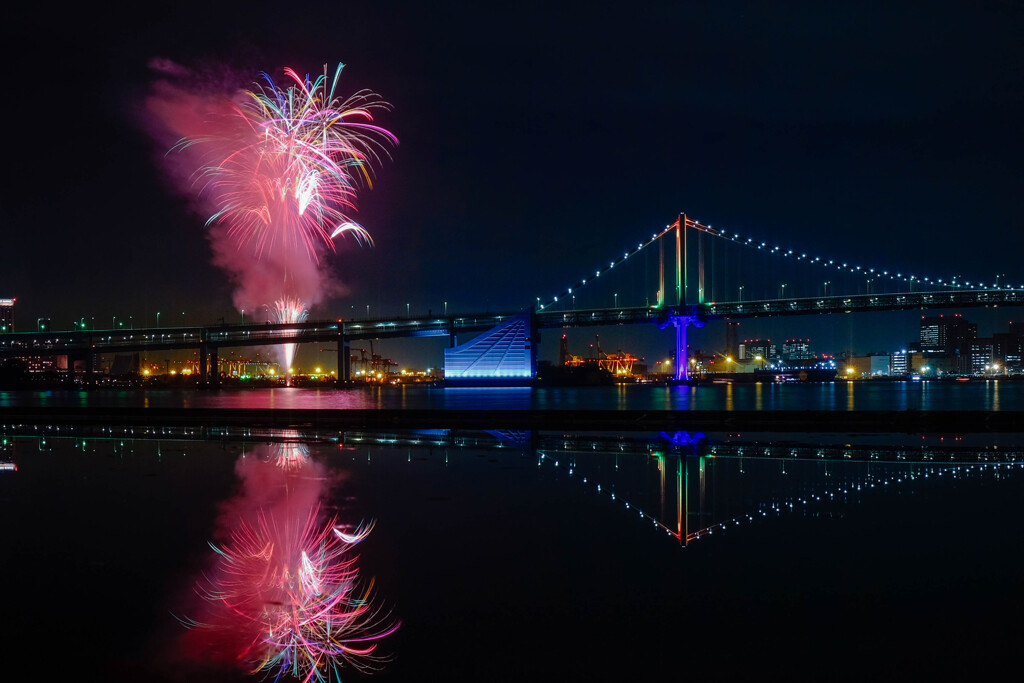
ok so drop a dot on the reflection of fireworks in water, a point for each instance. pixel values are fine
(292, 455)
(283, 595)
(282, 168)
(306, 615)
(288, 310)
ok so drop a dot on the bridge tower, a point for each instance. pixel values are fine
(684, 315)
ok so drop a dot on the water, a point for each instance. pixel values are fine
(839, 396)
(523, 556)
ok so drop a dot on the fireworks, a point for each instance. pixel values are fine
(289, 310)
(294, 591)
(283, 166)
(283, 594)
(275, 170)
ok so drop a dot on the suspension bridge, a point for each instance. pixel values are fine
(678, 278)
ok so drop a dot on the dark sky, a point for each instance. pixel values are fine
(537, 142)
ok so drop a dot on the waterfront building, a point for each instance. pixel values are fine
(732, 335)
(981, 356)
(946, 333)
(879, 364)
(7, 315)
(899, 363)
(797, 349)
(752, 348)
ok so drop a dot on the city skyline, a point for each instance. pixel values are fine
(534, 146)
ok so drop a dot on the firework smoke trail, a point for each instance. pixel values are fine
(288, 310)
(283, 595)
(275, 171)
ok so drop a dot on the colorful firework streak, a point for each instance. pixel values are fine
(289, 310)
(283, 594)
(282, 171)
(293, 598)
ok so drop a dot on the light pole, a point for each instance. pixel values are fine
(446, 308)
(113, 322)
(616, 299)
(825, 288)
(158, 320)
(406, 310)
(782, 291)
(243, 316)
(741, 293)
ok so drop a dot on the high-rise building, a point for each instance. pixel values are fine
(732, 332)
(796, 349)
(980, 352)
(7, 315)
(946, 333)
(750, 349)
(899, 363)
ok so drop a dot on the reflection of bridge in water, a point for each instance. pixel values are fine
(688, 486)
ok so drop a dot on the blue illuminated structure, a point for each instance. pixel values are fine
(504, 354)
(681, 322)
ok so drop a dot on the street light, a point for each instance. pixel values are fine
(827, 283)
(741, 293)
(158, 320)
(782, 291)
(616, 299)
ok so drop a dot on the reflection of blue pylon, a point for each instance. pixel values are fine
(683, 438)
(681, 322)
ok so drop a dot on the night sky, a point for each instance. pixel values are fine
(537, 143)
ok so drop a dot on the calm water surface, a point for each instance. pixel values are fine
(980, 395)
(513, 556)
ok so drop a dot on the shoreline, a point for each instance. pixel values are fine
(909, 421)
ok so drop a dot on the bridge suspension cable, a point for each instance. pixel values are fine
(837, 276)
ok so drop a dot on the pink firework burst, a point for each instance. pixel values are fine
(282, 166)
(290, 596)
